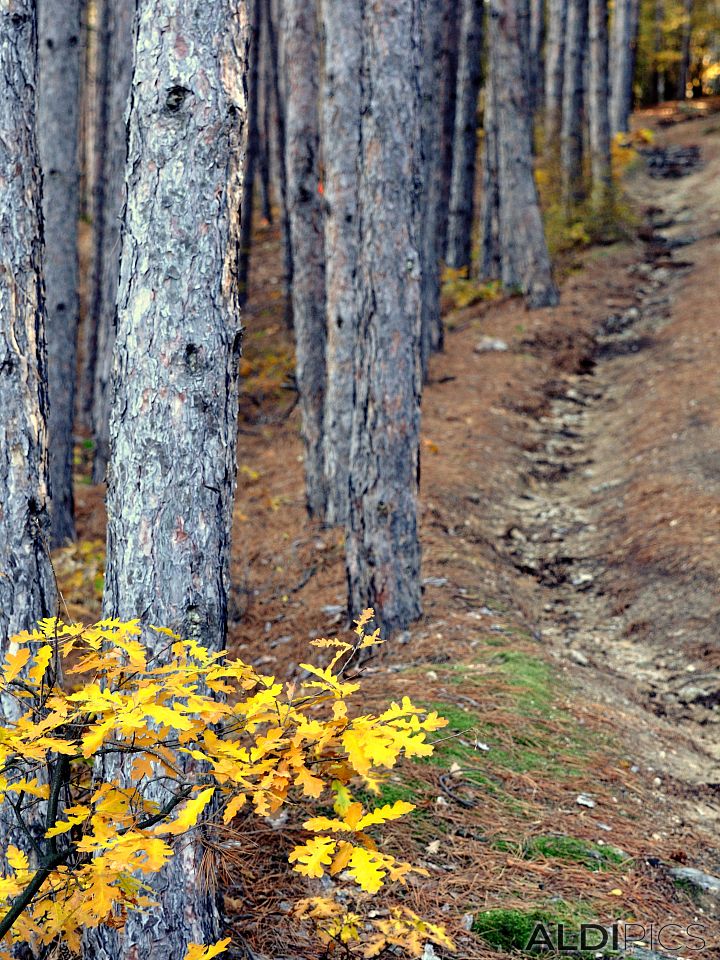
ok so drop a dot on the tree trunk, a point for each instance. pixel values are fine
(536, 58)
(382, 547)
(659, 41)
(431, 25)
(448, 102)
(174, 422)
(684, 74)
(490, 267)
(270, 23)
(340, 146)
(525, 263)
(462, 190)
(554, 74)
(598, 95)
(115, 60)
(300, 61)
(26, 582)
(622, 63)
(571, 136)
(264, 120)
(57, 134)
(251, 156)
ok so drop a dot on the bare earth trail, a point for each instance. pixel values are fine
(619, 518)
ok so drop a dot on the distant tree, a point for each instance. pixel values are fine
(684, 74)
(299, 58)
(536, 55)
(57, 130)
(252, 153)
(597, 99)
(448, 101)
(573, 113)
(174, 423)
(514, 235)
(26, 583)
(462, 190)
(115, 61)
(382, 546)
(623, 41)
(490, 263)
(554, 74)
(341, 146)
(429, 210)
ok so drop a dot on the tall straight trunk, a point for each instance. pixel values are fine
(431, 25)
(623, 42)
(448, 102)
(684, 73)
(554, 73)
(270, 25)
(57, 133)
(571, 135)
(115, 60)
(524, 260)
(598, 95)
(536, 57)
(462, 190)
(659, 71)
(299, 57)
(489, 266)
(382, 546)
(251, 155)
(174, 422)
(264, 118)
(340, 147)
(26, 583)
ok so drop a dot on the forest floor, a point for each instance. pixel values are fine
(570, 510)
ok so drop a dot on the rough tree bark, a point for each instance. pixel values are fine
(573, 117)
(524, 260)
(448, 102)
(174, 422)
(462, 189)
(264, 120)
(299, 58)
(340, 147)
(26, 583)
(115, 61)
(623, 41)
(490, 263)
(431, 26)
(57, 134)
(554, 73)
(382, 547)
(598, 113)
(252, 154)
(536, 57)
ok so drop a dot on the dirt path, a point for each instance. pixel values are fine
(618, 519)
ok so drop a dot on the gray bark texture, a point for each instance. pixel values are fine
(448, 102)
(382, 546)
(462, 190)
(57, 135)
(299, 58)
(340, 147)
(598, 112)
(173, 429)
(571, 135)
(524, 260)
(623, 41)
(686, 35)
(431, 24)
(26, 583)
(554, 73)
(115, 62)
(536, 58)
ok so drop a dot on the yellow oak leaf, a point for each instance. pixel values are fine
(196, 951)
(312, 857)
(14, 663)
(390, 811)
(312, 786)
(17, 859)
(190, 813)
(42, 659)
(368, 869)
(236, 804)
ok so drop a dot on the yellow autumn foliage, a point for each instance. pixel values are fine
(218, 736)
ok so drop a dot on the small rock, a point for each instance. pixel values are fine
(441, 802)
(490, 344)
(431, 675)
(702, 881)
(332, 609)
(435, 581)
(578, 657)
(429, 952)
(433, 846)
(468, 920)
(585, 801)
